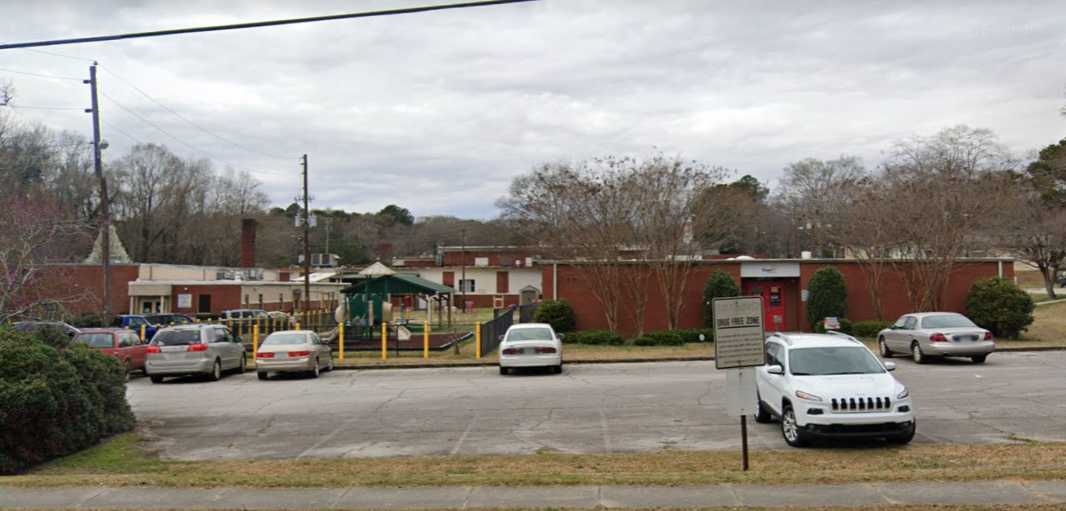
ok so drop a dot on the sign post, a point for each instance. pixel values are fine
(739, 345)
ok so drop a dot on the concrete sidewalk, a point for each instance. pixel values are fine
(988, 493)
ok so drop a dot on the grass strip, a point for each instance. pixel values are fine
(125, 461)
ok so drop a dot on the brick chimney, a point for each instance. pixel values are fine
(248, 226)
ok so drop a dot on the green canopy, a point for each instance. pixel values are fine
(398, 284)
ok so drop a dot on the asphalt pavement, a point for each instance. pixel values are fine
(588, 408)
(986, 493)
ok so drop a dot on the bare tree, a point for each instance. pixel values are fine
(1032, 230)
(945, 189)
(814, 192)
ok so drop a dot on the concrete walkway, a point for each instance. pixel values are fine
(845, 495)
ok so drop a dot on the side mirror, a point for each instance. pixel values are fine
(775, 369)
(561, 336)
(891, 366)
(499, 338)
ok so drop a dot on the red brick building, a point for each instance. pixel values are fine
(781, 283)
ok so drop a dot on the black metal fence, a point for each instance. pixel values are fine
(492, 331)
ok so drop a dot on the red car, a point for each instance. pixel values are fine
(123, 344)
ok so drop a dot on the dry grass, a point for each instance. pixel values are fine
(1048, 328)
(571, 353)
(123, 462)
(886, 507)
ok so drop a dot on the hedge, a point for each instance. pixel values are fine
(869, 328)
(828, 296)
(593, 337)
(719, 285)
(54, 402)
(846, 326)
(661, 338)
(1000, 306)
(556, 313)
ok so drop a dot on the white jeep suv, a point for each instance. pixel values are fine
(824, 385)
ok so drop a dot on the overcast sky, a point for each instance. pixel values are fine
(437, 112)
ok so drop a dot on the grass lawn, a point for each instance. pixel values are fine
(571, 353)
(123, 461)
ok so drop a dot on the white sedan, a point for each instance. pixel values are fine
(531, 345)
(293, 351)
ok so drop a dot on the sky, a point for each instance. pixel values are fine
(437, 112)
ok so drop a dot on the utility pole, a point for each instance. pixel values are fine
(105, 206)
(462, 278)
(307, 244)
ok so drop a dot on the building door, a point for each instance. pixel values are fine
(203, 304)
(773, 301)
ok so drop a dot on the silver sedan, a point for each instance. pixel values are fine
(293, 351)
(936, 334)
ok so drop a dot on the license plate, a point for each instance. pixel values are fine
(281, 355)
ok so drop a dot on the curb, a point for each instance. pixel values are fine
(493, 364)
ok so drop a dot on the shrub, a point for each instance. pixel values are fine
(89, 320)
(846, 326)
(556, 313)
(54, 402)
(661, 338)
(645, 341)
(1000, 306)
(869, 328)
(828, 296)
(594, 337)
(719, 285)
(693, 334)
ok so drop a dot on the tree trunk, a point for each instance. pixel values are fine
(1049, 273)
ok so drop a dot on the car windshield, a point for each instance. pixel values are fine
(947, 321)
(176, 337)
(95, 340)
(835, 360)
(282, 339)
(178, 320)
(157, 319)
(529, 334)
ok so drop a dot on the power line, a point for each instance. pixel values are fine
(54, 77)
(56, 54)
(193, 124)
(258, 24)
(37, 107)
(122, 131)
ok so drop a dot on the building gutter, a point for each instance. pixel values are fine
(555, 281)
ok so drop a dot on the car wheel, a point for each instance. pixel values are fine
(905, 438)
(790, 429)
(916, 353)
(979, 359)
(558, 369)
(156, 379)
(243, 366)
(762, 415)
(503, 371)
(263, 375)
(885, 352)
(216, 371)
(317, 370)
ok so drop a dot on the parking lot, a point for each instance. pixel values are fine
(589, 408)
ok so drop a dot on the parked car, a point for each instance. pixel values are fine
(169, 319)
(135, 321)
(936, 334)
(290, 351)
(282, 318)
(236, 314)
(830, 385)
(196, 349)
(531, 345)
(123, 344)
(30, 327)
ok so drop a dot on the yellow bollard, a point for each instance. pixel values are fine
(425, 339)
(297, 326)
(477, 340)
(255, 340)
(257, 324)
(384, 340)
(340, 337)
(142, 333)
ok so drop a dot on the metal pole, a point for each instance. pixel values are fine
(744, 441)
(105, 202)
(462, 278)
(307, 245)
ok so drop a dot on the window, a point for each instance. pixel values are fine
(126, 341)
(218, 335)
(176, 337)
(901, 322)
(827, 361)
(466, 285)
(283, 339)
(481, 261)
(911, 323)
(947, 321)
(773, 354)
(530, 334)
(95, 340)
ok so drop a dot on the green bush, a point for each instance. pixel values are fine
(89, 320)
(645, 341)
(1000, 306)
(594, 337)
(54, 402)
(869, 328)
(661, 338)
(719, 285)
(556, 313)
(846, 326)
(693, 334)
(828, 296)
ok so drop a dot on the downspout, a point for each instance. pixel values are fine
(1000, 268)
(555, 281)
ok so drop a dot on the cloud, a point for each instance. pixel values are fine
(437, 112)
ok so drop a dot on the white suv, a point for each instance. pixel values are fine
(822, 385)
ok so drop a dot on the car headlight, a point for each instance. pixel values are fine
(809, 397)
(903, 394)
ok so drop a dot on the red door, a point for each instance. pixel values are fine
(773, 301)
